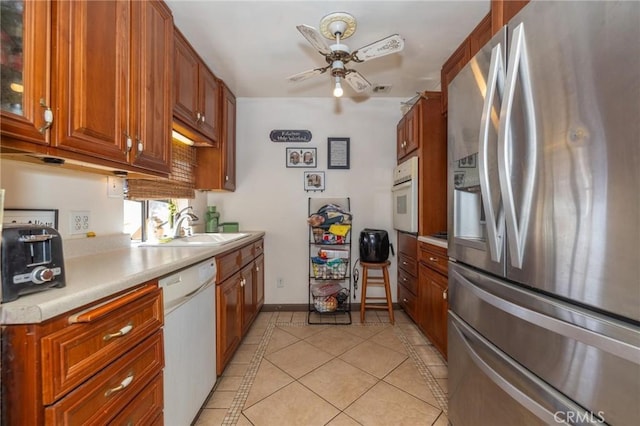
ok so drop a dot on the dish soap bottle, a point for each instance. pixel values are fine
(212, 219)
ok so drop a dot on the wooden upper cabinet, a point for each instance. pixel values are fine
(216, 166)
(91, 95)
(196, 107)
(452, 67)
(152, 68)
(408, 131)
(503, 10)
(25, 61)
(480, 36)
(111, 80)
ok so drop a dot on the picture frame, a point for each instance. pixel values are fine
(314, 181)
(302, 157)
(338, 153)
(46, 217)
(468, 162)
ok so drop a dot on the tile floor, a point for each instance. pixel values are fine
(287, 372)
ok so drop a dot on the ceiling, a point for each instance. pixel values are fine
(254, 45)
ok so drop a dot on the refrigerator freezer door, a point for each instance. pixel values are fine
(571, 154)
(476, 225)
(510, 394)
(592, 359)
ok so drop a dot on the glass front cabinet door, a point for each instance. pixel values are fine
(24, 76)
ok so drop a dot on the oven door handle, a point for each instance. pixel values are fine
(401, 186)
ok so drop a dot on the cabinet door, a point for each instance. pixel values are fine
(209, 104)
(258, 282)
(433, 301)
(412, 128)
(248, 297)
(25, 70)
(91, 96)
(228, 140)
(185, 80)
(228, 319)
(151, 98)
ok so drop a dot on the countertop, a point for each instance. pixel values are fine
(95, 276)
(435, 241)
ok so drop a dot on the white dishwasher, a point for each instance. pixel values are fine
(189, 297)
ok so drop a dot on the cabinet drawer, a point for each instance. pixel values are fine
(106, 394)
(72, 355)
(408, 264)
(408, 281)
(434, 257)
(146, 407)
(407, 244)
(247, 254)
(228, 265)
(408, 301)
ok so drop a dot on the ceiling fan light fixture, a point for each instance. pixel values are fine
(337, 91)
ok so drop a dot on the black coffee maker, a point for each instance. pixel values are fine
(374, 246)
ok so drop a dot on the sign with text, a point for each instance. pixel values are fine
(290, 136)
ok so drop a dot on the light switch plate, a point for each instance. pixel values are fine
(115, 187)
(79, 222)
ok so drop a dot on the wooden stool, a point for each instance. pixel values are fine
(375, 281)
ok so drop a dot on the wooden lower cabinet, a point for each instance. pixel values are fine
(432, 295)
(239, 297)
(88, 366)
(229, 320)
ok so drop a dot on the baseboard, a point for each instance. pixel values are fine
(303, 307)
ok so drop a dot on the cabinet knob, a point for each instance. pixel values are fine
(129, 142)
(433, 259)
(445, 294)
(198, 115)
(257, 269)
(122, 332)
(226, 178)
(405, 300)
(47, 115)
(123, 384)
(140, 146)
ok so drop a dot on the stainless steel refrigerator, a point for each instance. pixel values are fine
(544, 220)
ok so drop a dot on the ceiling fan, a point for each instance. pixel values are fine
(338, 26)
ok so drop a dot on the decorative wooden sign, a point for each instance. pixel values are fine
(290, 136)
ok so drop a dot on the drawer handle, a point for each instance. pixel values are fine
(123, 384)
(433, 259)
(123, 331)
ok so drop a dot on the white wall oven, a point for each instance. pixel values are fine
(405, 196)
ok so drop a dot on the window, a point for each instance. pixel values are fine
(155, 215)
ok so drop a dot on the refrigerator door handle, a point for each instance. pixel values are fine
(478, 349)
(495, 82)
(518, 66)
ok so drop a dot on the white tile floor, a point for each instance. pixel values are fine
(287, 372)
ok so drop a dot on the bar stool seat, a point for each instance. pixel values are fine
(376, 280)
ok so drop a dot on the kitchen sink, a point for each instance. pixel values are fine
(212, 239)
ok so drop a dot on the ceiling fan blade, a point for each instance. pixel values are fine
(386, 46)
(315, 38)
(306, 74)
(357, 81)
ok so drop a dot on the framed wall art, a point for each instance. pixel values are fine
(338, 150)
(45, 217)
(302, 157)
(314, 181)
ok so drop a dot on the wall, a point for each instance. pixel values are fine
(37, 186)
(270, 197)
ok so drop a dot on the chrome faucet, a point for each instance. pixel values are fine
(180, 217)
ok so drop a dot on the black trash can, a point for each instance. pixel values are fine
(374, 245)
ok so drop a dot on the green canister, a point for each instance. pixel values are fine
(212, 216)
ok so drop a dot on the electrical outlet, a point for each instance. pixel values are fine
(115, 187)
(79, 222)
(280, 283)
